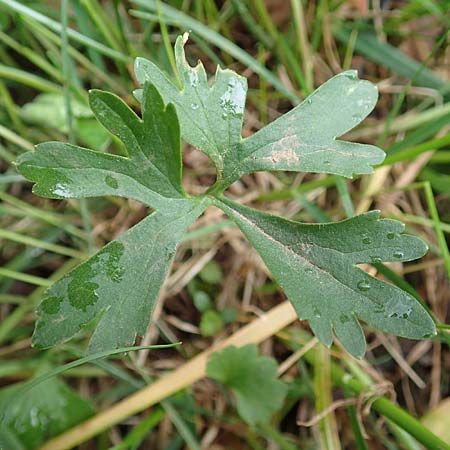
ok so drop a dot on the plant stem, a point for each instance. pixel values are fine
(389, 410)
(329, 437)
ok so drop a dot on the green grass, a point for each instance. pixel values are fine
(92, 44)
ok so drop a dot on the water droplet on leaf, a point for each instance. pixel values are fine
(363, 285)
(233, 99)
(61, 190)
(344, 318)
(111, 182)
(193, 78)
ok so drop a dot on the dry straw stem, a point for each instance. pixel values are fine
(255, 332)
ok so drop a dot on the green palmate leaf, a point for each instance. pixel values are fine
(119, 286)
(302, 140)
(252, 379)
(316, 265)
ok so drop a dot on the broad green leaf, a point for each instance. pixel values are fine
(302, 140)
(252, 379)
(118, 286)
(47, 410)
(316, 266)
(151, 173)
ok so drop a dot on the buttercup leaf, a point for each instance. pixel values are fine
(302, 140)
(316, 266)
(252, 379)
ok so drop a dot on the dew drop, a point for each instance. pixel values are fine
(111, 182)
(363, 285)
(344, 318)
(375, 259)
(366, 240)
(114, 270)
(309, 270)
(194, 106)
(397, 309)
(170, 250)
(233, 99)
(390, 236)
(309, 101)
(61, 190)
(351, 74)
(34, 417)
(193, 78)
(317, 313)
(327, 163)
(398, 254)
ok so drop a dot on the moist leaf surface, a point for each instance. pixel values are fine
(151, 172)
(117, 288)
(45, 411)
(252, 379)
(302, 140)
(316, 265)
